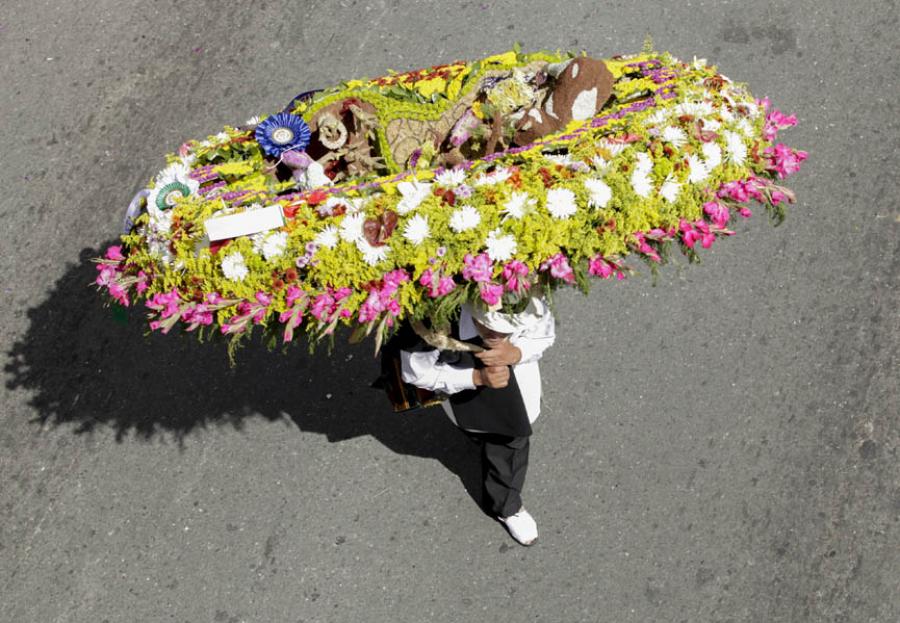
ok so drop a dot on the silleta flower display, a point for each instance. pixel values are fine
(405, 196)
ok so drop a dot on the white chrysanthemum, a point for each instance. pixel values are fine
(187, 161)
(466, 217)
(222, 137)
(600, 193)
(500, 247)
(641, 182)
(713, 154)
(697, 109)
(352, 226)
(274, 245)
(416, 230)
(698, 63)
(356, 204)
(670, 189)
(451, 177)
(561, 202)
(561, 159)
(658, 116)
(746, 127)
(372, 255)
(752, 109)
(328, 237)
(253, 121)
(501, 174)
(726, 114)
(736, 149)
(413, 193)
(601, 165)
(614, 149)
(644, 162)
(675, 136)
(518, 205)
(711, 125)
(698, 170)
(233, 267)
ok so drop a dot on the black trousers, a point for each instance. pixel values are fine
(504, 461)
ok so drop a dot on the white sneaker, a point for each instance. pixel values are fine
(521, 526)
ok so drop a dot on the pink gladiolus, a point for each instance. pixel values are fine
(263, 299)
(777, 197)
(745, 212)
(396, 277)
(119, 293)
(115, 253)
(321, 307)
(491, 293)
(293, 293)
(477, 268)
(784, 160)
(690, 238)
(775, 121)
(446, 285)
(599, 267)
(425, 278)
(514, 273)
(559, 268)
(718, 212)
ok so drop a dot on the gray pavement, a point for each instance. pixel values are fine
(721, 447)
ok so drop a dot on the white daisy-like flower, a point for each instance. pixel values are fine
(187, 161)
(697, 109)
(726, 114)
(698, 170)
(562, 159)
(274, 245)
(675, 136)
(561, 202)
(352, 227)
(253, 121)
(746, 127)
(752, 108)
(658, 116)
(417, 230)
(698, 63)
(600, 193)
(601, 165)
(641, 183)
(501, 174)
(464, 218)
(518, 205)
(500, 247)
(328, 237)
(670, 189)
(614, 149)
(711, 125)
(736, 149)
(713, 155)
(233, 267)
(222, 137)
(451, 177)
(413, 193)
(372, 255)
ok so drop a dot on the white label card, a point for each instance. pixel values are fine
(244, 224)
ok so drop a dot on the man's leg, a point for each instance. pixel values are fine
(504, 462)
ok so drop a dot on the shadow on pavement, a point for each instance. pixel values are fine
(85, 370)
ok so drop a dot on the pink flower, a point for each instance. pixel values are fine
(784, 160)
(745, 212)
(645, 248)
(599, 267)
(321, 307)
(718, 212)
(514, 273)
(293, 293)
(477, 268)
(119, 293)
(775, 121)
(777, 197)
(491, 293)
(115, 253)
(559, 268)
(446, 285)
(425, 278)
(263, 299)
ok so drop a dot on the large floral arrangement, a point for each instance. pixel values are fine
(381, 223)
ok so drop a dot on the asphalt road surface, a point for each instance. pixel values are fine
(719, 447)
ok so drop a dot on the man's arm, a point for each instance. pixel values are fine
(422, 369)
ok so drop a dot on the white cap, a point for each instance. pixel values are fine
(509, 323)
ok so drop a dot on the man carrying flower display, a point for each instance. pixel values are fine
(493, 396)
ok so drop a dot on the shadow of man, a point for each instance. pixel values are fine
(86, 371)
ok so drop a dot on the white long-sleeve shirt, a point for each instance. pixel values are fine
(422, 369)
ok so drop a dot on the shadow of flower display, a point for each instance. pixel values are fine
(85, 370)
